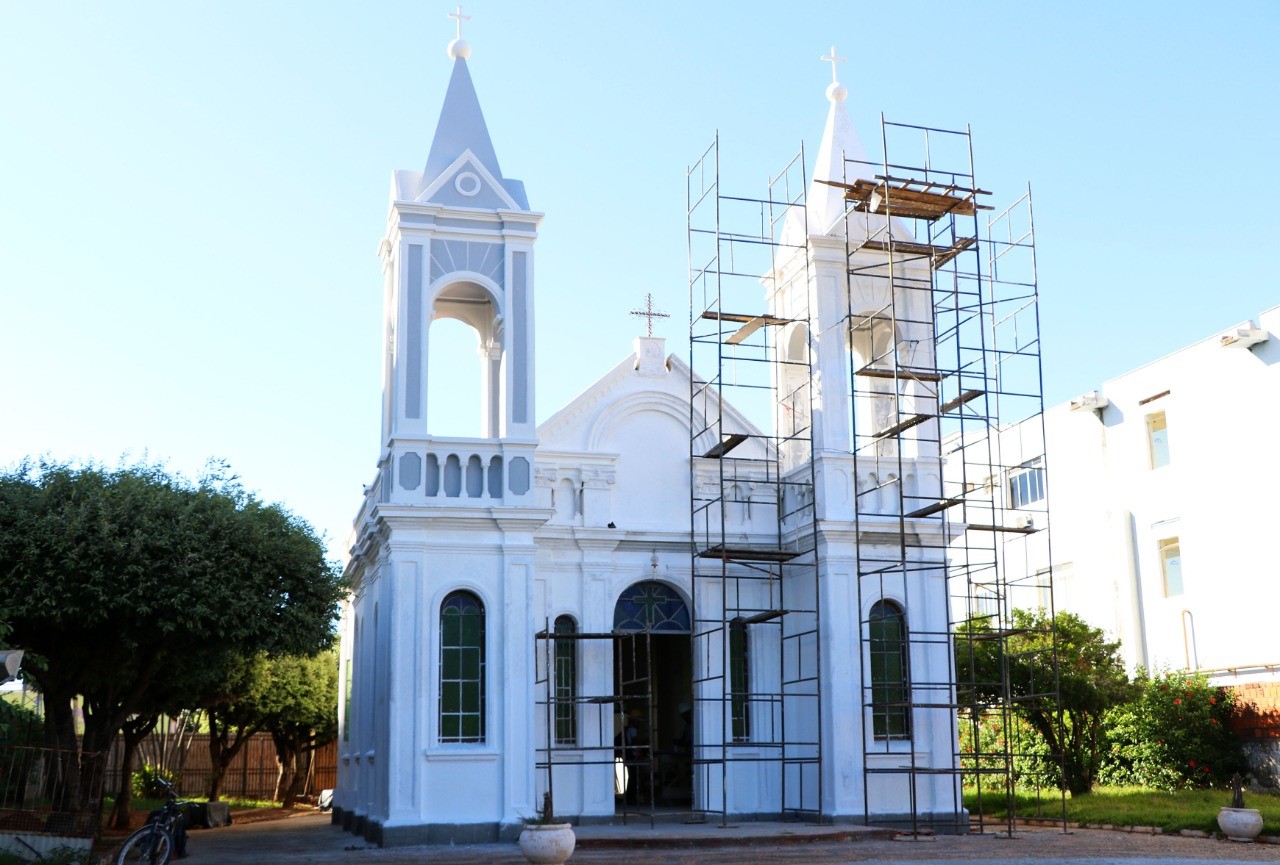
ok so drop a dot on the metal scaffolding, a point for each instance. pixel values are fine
(756, 649)
(946, 506)
(948, 439)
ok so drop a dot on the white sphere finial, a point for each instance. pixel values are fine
(459, 48)
(836, 91)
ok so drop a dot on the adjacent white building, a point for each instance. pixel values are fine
(1162, 485)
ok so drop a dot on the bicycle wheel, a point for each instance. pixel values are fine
(150, 845)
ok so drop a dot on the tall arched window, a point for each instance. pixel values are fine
(890, 678)
(566, 681)
(462, 668)
(739, 680)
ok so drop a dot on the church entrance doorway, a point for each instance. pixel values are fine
(653, 678)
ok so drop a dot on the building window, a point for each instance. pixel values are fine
(1158, 439)
(739, 681)
(346, 701)
(890, 682)
(1026, 484)
(1171, 567)
(651, 606)
(462, 669)
(566, 682)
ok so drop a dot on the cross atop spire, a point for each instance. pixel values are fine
(649, 313)
(831, 58)
(459, 17)
(459, 48)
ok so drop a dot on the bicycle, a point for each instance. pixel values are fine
(162, 837)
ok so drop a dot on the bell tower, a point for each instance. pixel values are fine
(459, 245)
(437, 669)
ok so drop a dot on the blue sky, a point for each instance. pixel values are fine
(191, 195)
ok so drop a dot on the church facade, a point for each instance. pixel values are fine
(525, 608)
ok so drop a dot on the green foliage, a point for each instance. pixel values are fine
(138, 589)
(302, 695)
(991, 741)
(1174, 736)
(131, 585)
(19, 725)
(1089, 679)
(56, 856)
(1135, 806)
(144, 783)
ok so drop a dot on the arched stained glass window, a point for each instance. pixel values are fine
(651, 606)
(566, 682)
(890, 675)
(462, 672)
(739, 680)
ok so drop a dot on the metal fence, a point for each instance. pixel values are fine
(49, 792)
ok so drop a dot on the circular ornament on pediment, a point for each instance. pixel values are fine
(467, 183)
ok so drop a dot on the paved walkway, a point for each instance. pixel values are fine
(309, 839)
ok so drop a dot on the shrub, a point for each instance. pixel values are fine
(56, 856)
(1174, 736)
(19, 725)
(144, 782)
(1032, 766)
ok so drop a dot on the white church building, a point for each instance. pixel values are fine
(527, 610)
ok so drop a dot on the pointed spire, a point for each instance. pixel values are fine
(461, 126)
(840, 143)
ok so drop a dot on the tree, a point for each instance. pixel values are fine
(194, 676)
(105, 574)
(237, 712)
(1088, 679)
(302, 715)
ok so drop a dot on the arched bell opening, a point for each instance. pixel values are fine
(465, 363)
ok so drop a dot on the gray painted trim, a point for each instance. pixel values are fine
(518, 476)
(495, 398)
(486, 198)
(452, 476)
(481, 222)
(410, 470)
(449, 256)
(413, 336)
(433, 476)
(461, 127)
(495, 477)
(475, 476)
(515, 188)
(519, 339)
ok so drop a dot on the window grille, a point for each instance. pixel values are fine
(462, 669)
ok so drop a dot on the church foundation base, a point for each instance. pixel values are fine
(937, 823)
(439, 834)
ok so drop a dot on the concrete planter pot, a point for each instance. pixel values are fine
(551, 843)
(1240, 824)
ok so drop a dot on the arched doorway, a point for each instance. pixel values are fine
(653, 675)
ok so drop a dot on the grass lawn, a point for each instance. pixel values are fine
(1135, 806)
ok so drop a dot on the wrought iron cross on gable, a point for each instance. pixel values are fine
(649, 313)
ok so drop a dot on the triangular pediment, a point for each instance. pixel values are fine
(619, 397)
(467, 183)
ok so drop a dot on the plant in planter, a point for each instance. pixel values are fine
(545, 839)
(1236, 821)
